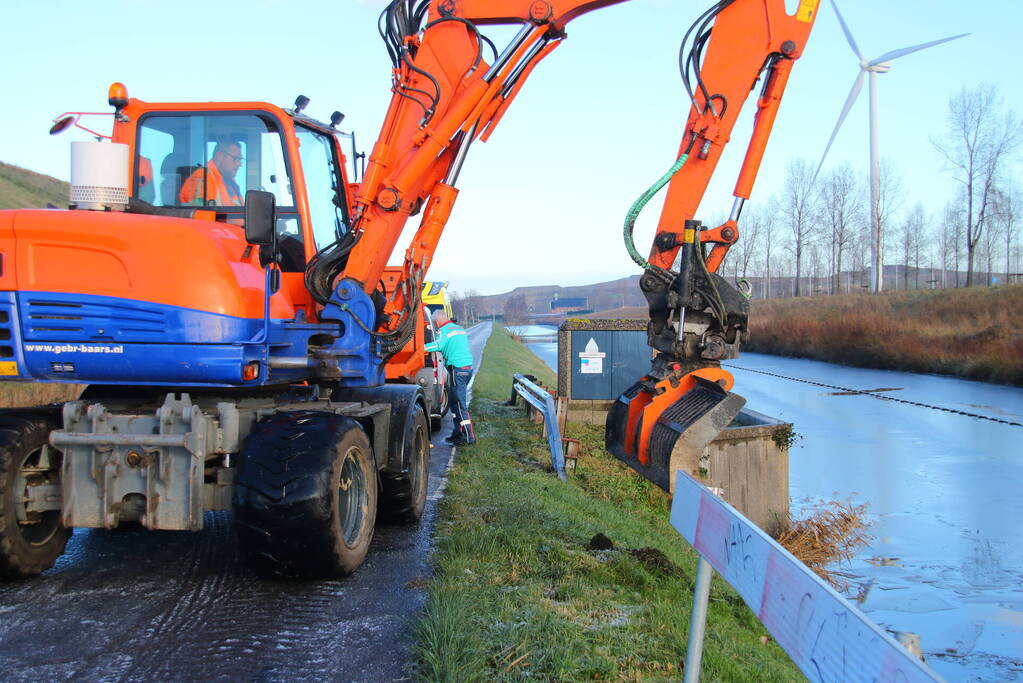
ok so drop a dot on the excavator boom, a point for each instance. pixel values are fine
(451, 87)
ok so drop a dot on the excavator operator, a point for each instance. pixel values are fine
(220, 188)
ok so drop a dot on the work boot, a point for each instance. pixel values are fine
(467, 433)
(454, 439)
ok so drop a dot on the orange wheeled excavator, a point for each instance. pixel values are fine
(259, 357)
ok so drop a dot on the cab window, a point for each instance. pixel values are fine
(210, 159)
(327, 209)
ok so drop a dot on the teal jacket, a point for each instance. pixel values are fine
(453, 342)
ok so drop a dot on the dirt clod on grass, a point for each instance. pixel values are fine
(600, 542)
(657, 562)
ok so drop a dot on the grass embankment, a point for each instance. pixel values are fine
(21, 189)
(519, 592)
(975, 333)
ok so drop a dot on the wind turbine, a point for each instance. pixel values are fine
(873, 67)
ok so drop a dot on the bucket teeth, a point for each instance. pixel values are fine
(681, 428)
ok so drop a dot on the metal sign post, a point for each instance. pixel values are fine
(698, 620)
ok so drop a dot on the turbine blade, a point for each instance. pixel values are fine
(848, 34)
(895, 54)
(849, 102)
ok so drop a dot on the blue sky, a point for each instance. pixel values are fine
(543, 201)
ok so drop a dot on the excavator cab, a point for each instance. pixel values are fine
(210, 159)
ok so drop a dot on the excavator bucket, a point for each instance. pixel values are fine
(659, 427)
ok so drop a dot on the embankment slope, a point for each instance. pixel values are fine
(523, 590)
(976, 333)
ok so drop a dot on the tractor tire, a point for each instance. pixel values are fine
(30, 546)
(403, 494)
(305, 496)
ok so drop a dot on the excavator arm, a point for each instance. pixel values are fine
(451, 86)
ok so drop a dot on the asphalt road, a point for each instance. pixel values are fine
(172, 606)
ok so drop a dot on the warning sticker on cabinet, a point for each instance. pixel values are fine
(591, 359)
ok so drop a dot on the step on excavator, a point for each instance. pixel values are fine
(219, 284)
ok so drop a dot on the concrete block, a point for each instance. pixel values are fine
(751, 465)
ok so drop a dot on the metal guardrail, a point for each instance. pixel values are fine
(826, 636)
(541, 399)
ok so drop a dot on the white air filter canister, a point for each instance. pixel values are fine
(99, 176)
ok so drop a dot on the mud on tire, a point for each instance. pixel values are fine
(305, 495)
(403, 494)
(31, 545)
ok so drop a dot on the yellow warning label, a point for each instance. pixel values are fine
(689, 236)
(8, 367)
(807, 10)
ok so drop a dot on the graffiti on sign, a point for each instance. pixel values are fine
(826, 636)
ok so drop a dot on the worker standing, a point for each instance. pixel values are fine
(453, 343)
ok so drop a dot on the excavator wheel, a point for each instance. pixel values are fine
(30, 542)
(403, 494)
(305, 497)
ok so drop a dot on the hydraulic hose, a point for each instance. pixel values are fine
(637, 207)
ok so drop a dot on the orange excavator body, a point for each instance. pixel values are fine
(446, 96)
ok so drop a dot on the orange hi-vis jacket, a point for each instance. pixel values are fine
(217, 192)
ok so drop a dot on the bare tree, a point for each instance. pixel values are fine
(748, 246)
(945, 236)
(515, 309)
(1006, 214)
(816, 267)
(859, 257)
(911, 231)
(986, 248)
(841, 203)
(981, 137)
(953, 236)
(890, 199)
(769, 218)
(798, 208)
(919, 240)
(465, 306)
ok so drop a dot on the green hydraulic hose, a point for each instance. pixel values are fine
(637, 207)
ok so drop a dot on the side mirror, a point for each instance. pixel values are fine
(260, 218)
(61, 125)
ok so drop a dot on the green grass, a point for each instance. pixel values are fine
(24, 189)
(518, 595)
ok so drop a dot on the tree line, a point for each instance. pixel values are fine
(814, 237)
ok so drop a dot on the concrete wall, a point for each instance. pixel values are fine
(749, 462)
